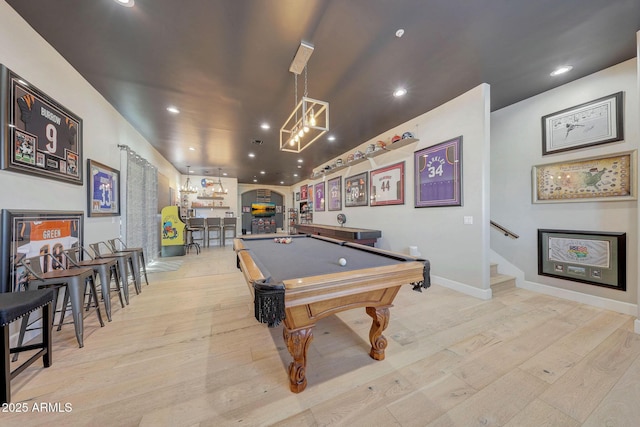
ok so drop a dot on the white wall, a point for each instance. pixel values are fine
(516, 146)
(28, 55)
(458, 253)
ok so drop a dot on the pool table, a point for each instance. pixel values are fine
(302, 282)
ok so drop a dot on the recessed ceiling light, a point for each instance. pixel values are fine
(125, 3)
(561, 70)
(224, 174)
(255, 180)
(400, 92)
(262, 172)
(331, 138)
(192, 149)
(300, 160)
(281, 182)
(173, 110)
(190, 171)
(299, 166)
(251, 155)
(399, 33)
(295, 174)
(265, 126)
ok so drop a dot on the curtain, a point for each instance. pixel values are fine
(140, 227)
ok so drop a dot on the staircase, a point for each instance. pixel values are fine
(501, 282)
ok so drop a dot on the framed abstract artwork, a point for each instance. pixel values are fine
(39, 136)
(387, 185)
(438, 175)
(585, 125)
(27, 233)
(103, 190)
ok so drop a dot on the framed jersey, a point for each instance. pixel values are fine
(103, 190)
(387, 185)
(39, 136)
(27, 233)
(438, 174)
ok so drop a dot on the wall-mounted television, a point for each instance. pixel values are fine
(263, 209)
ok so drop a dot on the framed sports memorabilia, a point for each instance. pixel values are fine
(596, 258)
(103, 190)
(334, 190)
(356, 190)
(387, 185)
(611, 177)
(39, 136)
(303, 192)
(27, 233)
(438, 174)
(318, 196)
(585, 125)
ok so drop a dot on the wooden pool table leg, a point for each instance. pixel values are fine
(380, 317)
(298, 342)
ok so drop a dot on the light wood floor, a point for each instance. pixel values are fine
(187, 352)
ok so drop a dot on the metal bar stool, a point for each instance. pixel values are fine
(213, 224)
(105, 268)
(188, 240)
(124, 260)
(16, 305)
(75, 282)
(228, 224)
(197, 225)
(118, 245)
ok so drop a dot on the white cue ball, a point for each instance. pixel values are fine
(342, 261)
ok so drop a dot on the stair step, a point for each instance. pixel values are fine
(493, 269)
(501, 282)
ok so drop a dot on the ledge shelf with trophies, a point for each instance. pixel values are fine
(389, 147)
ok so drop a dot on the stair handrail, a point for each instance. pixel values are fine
(504, 231)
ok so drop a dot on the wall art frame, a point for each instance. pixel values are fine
(38, 136)
(592, 123)
(595, 258)
(438, 174)
(103, 190)
(318, 196)
(386, 185)
(27, 233)
(610, 177)
(334, 192)
(356, 190)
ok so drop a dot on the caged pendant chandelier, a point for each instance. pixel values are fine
(221, 191)
(187, 187)
(309, 119)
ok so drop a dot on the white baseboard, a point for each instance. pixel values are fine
(636, 326)
(606, 303)
(484, 294)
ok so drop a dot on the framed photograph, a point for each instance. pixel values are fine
(585, 125)
(39, 136)
(318, 196)
(103, 190)
(303, 192)
(28, 233)
(246, 209)
(297, 196)
(604, 178)
(596, 258)
(438, 175)
(335, 193)
(387, 185)
(356, 189)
